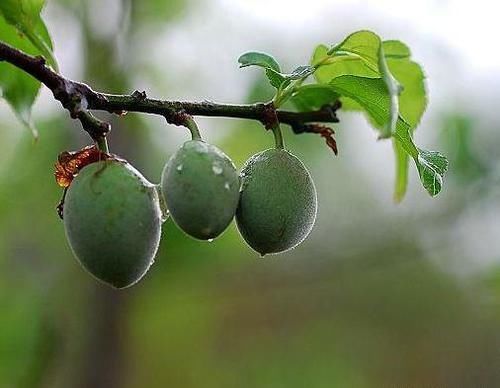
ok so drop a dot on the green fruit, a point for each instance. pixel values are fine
(278, 202)
(201, 189)
(113, 222)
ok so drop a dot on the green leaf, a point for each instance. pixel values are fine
(413, 97)
(41, 39)
(380, 79)
(22, 28)
(272, 68)
(431, 167)
(254, 58)
(394, 89)
(17, 87)
(25, 16)
(402, 164)
(276, 79)
(396, 49)
(313, 97)
(412, 102)
(372, 96)
(328, 67)
(267, 62)
(364, 45)
(367, 48)
(21, 11)
(282, 80)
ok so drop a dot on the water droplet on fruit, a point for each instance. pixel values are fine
(202, 147)
(216, 169)
(226, 185)
(210, 240)
(179, 168)
(163, 206)
(164, 215)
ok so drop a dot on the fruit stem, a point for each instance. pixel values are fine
(193, 128)
(102, 144)
(278, 137)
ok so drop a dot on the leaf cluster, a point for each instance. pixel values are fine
(368, 75)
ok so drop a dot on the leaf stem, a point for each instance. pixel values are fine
(282, 96)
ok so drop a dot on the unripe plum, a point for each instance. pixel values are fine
(201, 189)
(278, 202)
(113, 221)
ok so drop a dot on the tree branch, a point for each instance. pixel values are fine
(79, 98)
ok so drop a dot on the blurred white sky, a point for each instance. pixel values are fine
(470, 27)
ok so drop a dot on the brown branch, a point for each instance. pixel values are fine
(79, 98)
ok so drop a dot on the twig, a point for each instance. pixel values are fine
(79, 99)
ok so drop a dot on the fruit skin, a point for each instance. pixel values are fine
(112, 220)
(201, 189)
(278, 202)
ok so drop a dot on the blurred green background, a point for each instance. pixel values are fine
(379, 295)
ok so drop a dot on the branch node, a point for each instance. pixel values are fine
(332, 109)
(178, 117)
(92, 125)
(139, 95)
(269, 116)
